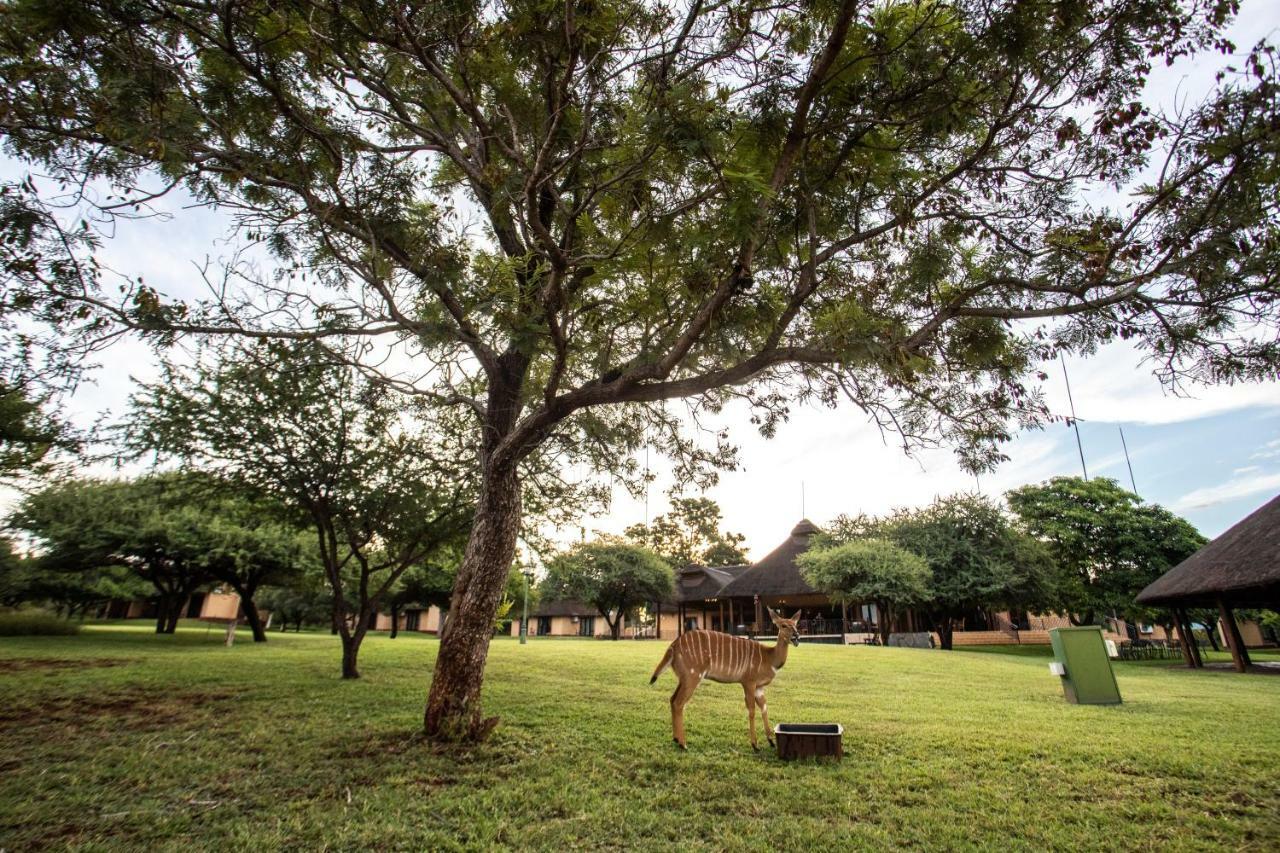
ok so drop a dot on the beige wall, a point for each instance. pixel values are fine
(428, 622)
(561, 626)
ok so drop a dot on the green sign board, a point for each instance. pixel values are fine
(1080, 658)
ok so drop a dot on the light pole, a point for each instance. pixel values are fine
(524, 620)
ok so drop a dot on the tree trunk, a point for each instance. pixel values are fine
(945, 632)
(351, 653)
(885, 626)
(453, 709)
(395, 620)
(171, 624)
(162, 613)
(615, 627)
(251, 615)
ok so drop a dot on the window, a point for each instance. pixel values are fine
(544, 626)
(586, 626)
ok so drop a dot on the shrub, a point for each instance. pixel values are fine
(27, 623)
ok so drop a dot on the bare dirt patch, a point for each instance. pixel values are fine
(133, 709)
(25, 664)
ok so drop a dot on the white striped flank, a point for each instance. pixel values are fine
(696, 655)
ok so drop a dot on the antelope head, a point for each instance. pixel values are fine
(788, 630)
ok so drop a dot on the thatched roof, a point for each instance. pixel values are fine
(777, 573)
(697, 583)
(1242, 566)
(564, 607)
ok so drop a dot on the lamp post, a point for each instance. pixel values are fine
(524, 620)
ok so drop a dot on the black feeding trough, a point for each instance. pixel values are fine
(809, 740)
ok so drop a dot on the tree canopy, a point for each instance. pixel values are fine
(1107, 542)
(873, 570)
(613, 576)
(690, 534)
(545, 210)
(978, 560)
(177, 531)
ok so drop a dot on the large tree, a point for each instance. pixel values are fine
(690, 534)
(614, 576)
(1106, 541)
(555, 208)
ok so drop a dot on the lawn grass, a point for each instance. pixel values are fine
(118, 738)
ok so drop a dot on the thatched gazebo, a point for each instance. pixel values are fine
(1241, 568)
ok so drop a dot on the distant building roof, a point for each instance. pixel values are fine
(777, 573)
(696, 583)
(564, 607)
(1242, 566)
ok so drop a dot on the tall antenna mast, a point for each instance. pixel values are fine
(646, 485)
(1075, 422)
(1126, 459)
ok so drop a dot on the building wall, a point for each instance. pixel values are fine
(562, 626)
(428, 621)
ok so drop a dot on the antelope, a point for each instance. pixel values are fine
(696, 655)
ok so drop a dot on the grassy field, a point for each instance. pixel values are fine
(121, 739)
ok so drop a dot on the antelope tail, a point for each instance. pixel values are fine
(662, 664)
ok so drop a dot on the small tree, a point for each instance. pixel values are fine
(144, 525)
(613, 576)
(380, 495)
(872, 570)
(690, 533)
(1107, 544)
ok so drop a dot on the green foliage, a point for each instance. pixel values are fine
(178, 531)
(1107, 543)
(613, 576)
(867, 570)
(977, 559)
(32, 623)
(382, 495)
(690, 534)
(27, 434)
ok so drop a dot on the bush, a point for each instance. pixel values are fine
(28, 623)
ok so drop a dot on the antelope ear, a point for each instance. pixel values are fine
(773, 617)
(795, 617)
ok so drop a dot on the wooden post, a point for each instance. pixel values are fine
(1195, 647)
(657, 620)
(231, 632)
(1239, 655)
(1184, 639)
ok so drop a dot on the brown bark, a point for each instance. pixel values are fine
(453, 709)
(945, 632)
(351, 653)
(395, 620)
(885, 627)
(252, 616)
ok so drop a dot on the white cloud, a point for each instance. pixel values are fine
(1270, 450)
(1237, 487)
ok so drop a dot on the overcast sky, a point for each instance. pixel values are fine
(1212, 456)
